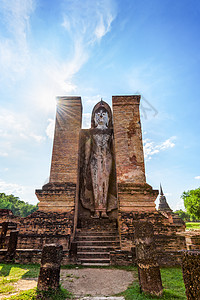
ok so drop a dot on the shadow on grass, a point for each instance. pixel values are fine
(32, 271)
(24, 271)
(5, 270)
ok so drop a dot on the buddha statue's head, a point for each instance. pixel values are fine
(101, 116)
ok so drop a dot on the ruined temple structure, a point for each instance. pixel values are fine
(96, 191)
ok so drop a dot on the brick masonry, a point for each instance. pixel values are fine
(191, 273)
(65, 148)
(60, 196)
(57, 218)
(134, 194)
(128, 139)
(168, 239)
(49, 276)
(40, 228)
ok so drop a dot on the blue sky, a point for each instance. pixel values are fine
(98, 49)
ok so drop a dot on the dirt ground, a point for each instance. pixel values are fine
(96, 282)
(86, 282)
(21, 285)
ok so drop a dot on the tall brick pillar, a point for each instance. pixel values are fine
(134, 194)
(59, 194)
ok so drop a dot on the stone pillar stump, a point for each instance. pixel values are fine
(49, 276)
(12, 245)
(148, 268)
(4, 229)
(191, 273)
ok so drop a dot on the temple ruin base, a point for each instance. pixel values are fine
(42, 228)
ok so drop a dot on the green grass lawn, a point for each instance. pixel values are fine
(172, 280)
(192, 225)
(9, 273)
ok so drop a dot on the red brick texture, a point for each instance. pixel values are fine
(64, 164)
(133, 192)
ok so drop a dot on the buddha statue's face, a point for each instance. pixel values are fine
(101, 118)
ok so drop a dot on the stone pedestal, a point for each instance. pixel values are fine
(191, 273)
(57, 197)
(49, 276)
(148, 268)
(137, 197)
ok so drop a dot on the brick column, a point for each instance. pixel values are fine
(128, 139)
(66, 138)
(134, 193)
(59, 194)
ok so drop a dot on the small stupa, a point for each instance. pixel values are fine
(163, 205)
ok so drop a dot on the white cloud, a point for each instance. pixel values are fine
(197, 177)
(11, 188)
(86, 120)
(179, 205)
(37, 138)
(15, 127)
(104, 26)
(90, 20)
(91, 100)
(50, 128)
(150, 148)
(14, 52)
(86, 22)
(4, 154)
(25, 193)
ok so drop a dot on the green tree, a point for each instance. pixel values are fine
(17, 206)
(183, 215)
(192, 202)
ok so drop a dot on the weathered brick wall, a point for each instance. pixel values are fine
(40, 228)
(37, 241)
(136, 197)
(193, 240)
(31, 256)
(134, 194)
(123, 257)
(128, 139)
(66, 138)
(167, 241)
(59, 197)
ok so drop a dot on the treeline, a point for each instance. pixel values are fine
(191, 200)
(17, 206)
(185, 216)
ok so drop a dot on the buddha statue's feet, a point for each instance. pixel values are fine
(96, 215)
(104, 215)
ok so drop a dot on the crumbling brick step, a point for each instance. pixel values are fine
(96, 233)
(98, 243)
(98, 238)
(93, 247)
(96, 264)
(93, 255)
(96, 248)
(95, 260)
